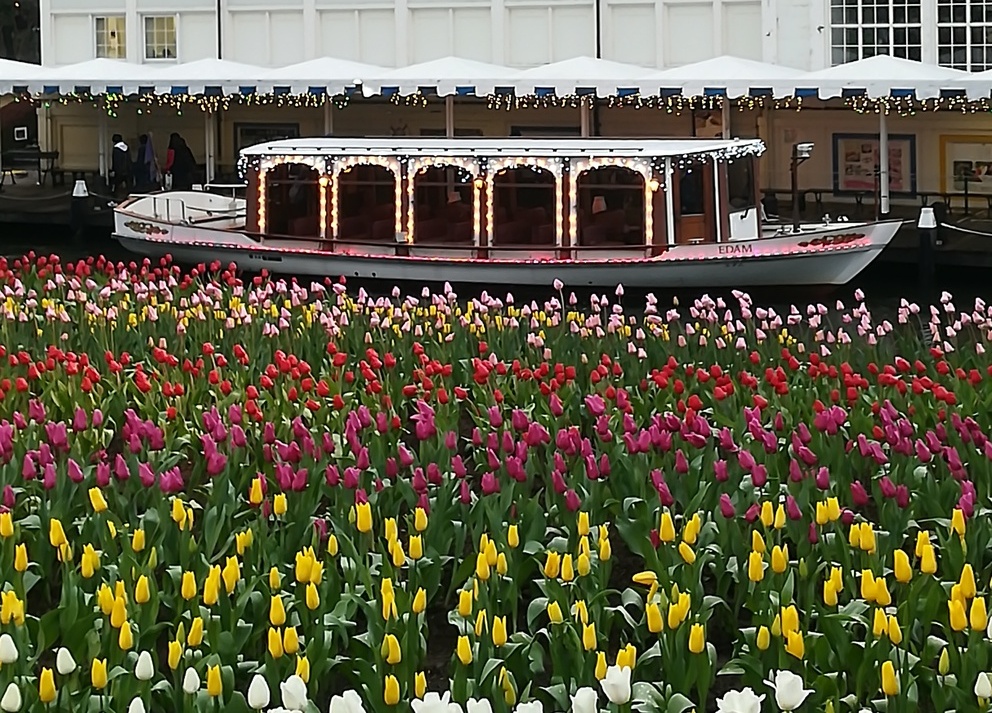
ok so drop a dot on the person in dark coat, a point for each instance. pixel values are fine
(180, 162)
(145, 167)
(120, 167)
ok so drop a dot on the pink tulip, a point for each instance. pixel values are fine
(814, 535)
(595, 404)
(102, 474)
(146, 475)
(9, 499)
(490, 485)
(823, 478)
(331, 476)
(572, 501)
(681, 463)
(555, 405)
(79, 420)
(858, 494)
(74, 472)
(720, 471)
(458, 467)
(727, 507)
(752, 513)
(48, 477)
(28, 469)
(759, 476)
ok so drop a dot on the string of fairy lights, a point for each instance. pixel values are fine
(113, 104)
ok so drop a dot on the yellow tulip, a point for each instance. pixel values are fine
(944, 663)
(419, 519)
(419, 601)
(255, 495)
(552, 565)
(275, 579)
(822, 518)
(967, 581)
(605, 549)
(56, 535)
(666, 531)
(645, 579)
(188, 588)
(312, 597)
(763, 638)
(46, 686)
(567, 569)
(880, 623)
(464, 650)
(6, 525)
(589, 636)
(502, 566)
(279, 505)
(757, 542)
(211, 586)
(481, 567)
(690, 533)
(97, 501)
(215, 685)
(697, 639)
(829, 593)
(89, 562)
(195, 637)
(893, 631)
(890, 684)
(290, 640)
(481, 623)
(118, 613)
(554, 613)
(767, 514)
(922, 542)
(277, 612)
(21, 558)
(780, 559)
(882, 596)
(363, 517)
(779, 521)
(231, 574)
(755, 566)
(601, 666)
(928, 560)
(416, 547)
(867, 585)
(978, 617)
(465, 603)
(833, 509)
(957, 522)
(901, 568)
(513, 536)
(391, 691)
(794, 644)
(580, 611)
(867, 539)
(178, 512)
(98, 674)
(685, 551)
(304, 565)
(419, 684)
(582, 523)
(303, 668)
(142, 591)
(275, 643)
(854, 535)
(175, 654)
(125, 639)
(332, 545)
(499, 631)
(654, 619)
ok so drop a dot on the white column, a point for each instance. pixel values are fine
(102, 140)
(883, 163)
(208, 143)
(725, 116)
(669, 202)
(716, 200)
(585, 119)
(449, 116)
(328, 116)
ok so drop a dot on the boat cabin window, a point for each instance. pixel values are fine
(524, 206)
(292, 200)
(610, 206)
(691, 186)
(740, 184)
(442, 205)
(366, 204)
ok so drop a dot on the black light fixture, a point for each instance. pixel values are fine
(801, 153)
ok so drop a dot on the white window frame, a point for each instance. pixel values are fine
(121, 41)
(144, 37)
(898, 49)
(968, 26)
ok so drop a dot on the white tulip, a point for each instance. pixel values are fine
(478, 705)
(531, 707)
(137, 706)
(983, 686)
(347, 702)
(294, 693)
(743, 701)
(616, 684)
(8, 651)
(258, 693)
(11, 701)
(433, 702)
(64, 663)
(585, 700)
(191, 681)
(789, 691)
(144, 669)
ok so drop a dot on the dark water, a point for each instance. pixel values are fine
(884, 283)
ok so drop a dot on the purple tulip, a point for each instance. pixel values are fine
(350, 480)
(216, 464)
(595, 404)
(9, 500)
(458, 467)
(331, 476)
(823, 478)
(746, 460)
(902, 496)
(495, 417)
(20, 423)
(887, 487)
(102, 474)
(171, 481)
(36, 411)
(238, 437)
(451, 440)
(79, 420)
(858, 494)
(519, 420)
(121, 470)
(572, 501)
(846, 517)
(814, 534)
(720, 471)
(74, 472)
(752, 513)
(681, 463)
(48, 478)
(555, 405)
(490, 484)
(759, 476)
(362, 461)
(146, 475)
(405, 456)
(727, 507)
(29, 470)
(465, 493)
(419, 481)
(792, 510)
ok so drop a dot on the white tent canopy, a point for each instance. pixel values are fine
(882, 76)
(95, 76)
(324, 74)
(578, 74)
(729, 76)
(196, 77)
(17, 74)
(978, 86)
(448, 75)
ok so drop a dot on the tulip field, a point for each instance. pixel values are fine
(227, 495)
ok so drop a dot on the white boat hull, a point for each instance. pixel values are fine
(817, 255)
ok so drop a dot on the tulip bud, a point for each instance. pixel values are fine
(195, 637)
(46, 686)
(277, 612)
(64, 663)
(290, 641)
(890, 684)
(512, 536)
(554, 613)
(8, 651)
(21, 559)
(420, 519)
(419, 601)
(175, 654)
(279, 505)
(258, 693)
(697, 639)
(419, 685)
(191, 682)
(215, 685)
(944, 662)
(763, 638)
(666, 531)
(144, 669)
(391, 691)
(589, 636)
(303, 669)
(601, 666)
(499, 631)
(136, 705)
(464, 650)
(98, 674)
(11, 701)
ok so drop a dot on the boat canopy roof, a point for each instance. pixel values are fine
(643, 148)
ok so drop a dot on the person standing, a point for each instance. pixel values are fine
(145, 167)
(120, 168)
(180, 163)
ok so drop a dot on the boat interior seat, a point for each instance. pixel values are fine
(383, 230)
(514, 232)
(543, 234)
(460, 232)
(305, 226)
(354, 227)
(430, 230)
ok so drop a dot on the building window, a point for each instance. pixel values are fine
(964, 34)
(110, 39)
(160, 37)
(865, 28)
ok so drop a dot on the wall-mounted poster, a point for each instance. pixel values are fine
(966, 164)
(246, 135)
(856, 163)
(707, 123)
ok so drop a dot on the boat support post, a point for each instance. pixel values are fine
(101, 143)
(883, 163)
(449, 116)
(669, 204)
(208, 144)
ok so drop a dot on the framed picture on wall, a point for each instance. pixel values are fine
(856, 163)
(966, 164)
(246, 135)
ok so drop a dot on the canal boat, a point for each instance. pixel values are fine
(653, 213)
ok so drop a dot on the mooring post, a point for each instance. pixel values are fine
(926, 228)
(79, 208)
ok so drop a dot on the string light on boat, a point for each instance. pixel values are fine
(317, 163)
(415, 166)
(506, 102)
(554, 166)
(323, 181)
(582, 166)
(416, 100)
(344, 166)
(726, 154)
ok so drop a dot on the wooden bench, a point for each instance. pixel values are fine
(42, 162)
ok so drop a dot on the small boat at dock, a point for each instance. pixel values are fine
(655, 213)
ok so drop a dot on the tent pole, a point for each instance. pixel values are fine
(102, 139)
(208, 142)
(328, 116)
(883, 163)
(449, 116)
(725, 117)
(584, 116)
